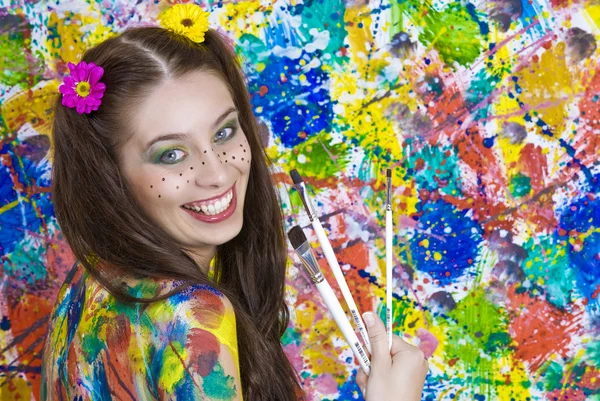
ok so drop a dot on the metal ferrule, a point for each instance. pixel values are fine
(301, 188)
(310, 262)
(389, 194)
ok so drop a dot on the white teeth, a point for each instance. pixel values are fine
(216, 207)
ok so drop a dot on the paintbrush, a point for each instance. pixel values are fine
(330, 256)
(304, 251)
(388, 256)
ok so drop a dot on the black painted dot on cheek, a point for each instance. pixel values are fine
(163, 179)
(151, 186)
(159, 196)
(191, 168)
(233, 157)
(203, 163)
(177, 186)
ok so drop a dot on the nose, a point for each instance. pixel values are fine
(211, 172)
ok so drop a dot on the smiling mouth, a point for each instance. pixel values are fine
(211, 207)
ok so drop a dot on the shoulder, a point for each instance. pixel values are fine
(197, 306)
(198, 346)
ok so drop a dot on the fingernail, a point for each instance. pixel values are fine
(369, 320)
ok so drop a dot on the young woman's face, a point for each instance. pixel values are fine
(188, 161)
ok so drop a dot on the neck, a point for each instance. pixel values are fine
(203, 256)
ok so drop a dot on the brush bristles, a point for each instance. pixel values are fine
(296, 236)
(296, 178)
(389, 172)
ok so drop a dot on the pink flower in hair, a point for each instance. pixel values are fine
(82, 89)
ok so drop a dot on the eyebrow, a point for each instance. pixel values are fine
(180, 136)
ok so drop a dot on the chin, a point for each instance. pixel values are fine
(220, 236)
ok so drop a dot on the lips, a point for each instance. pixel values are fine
(214, 209)
(213, 205)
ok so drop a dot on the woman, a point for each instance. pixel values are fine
(162, 189)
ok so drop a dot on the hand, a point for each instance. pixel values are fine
(397, 374)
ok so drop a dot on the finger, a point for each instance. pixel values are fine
(380, 352)
(361, 379)
(400, 346)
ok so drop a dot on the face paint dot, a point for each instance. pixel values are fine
(163, 179)
(188, 181)
(159, 196)
(205, 151)
(191, 168)
(180, 174)
(233, 157)
(203, 163)
(225, 154)
(178, 187)
(241, 146)
(225, 161)
(244, 150)
(242, 159)
(151, 186)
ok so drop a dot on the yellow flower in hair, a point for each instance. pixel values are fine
(189, 20)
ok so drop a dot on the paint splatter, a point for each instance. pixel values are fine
(489, 114)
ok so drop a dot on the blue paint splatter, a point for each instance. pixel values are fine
(458, 252)
(289, 105)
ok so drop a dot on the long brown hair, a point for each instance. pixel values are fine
(99, 216)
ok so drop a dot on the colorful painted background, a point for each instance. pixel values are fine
(489, 114)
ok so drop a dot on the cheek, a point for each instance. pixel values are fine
(237, 154)
(160, 187)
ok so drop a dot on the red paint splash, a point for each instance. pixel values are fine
(204, 349)
(540, 329)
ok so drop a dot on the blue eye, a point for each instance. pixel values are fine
(172, 156)
(224, 134)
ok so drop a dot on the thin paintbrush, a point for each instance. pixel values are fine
(388, 256)
(330, 256)
(304, 251)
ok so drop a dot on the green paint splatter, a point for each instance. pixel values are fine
(92, 345)
(219, 386)
(322, 158)
(172, 370)
(547, 264)
(435, 167)
(252, 49)
(481, 336)
(26, 263)
(481, 87)
(16, 69)
(453, 33)
(520, 185)
(291, 336)
(593, 352)
(325, 15)
(553, 377)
